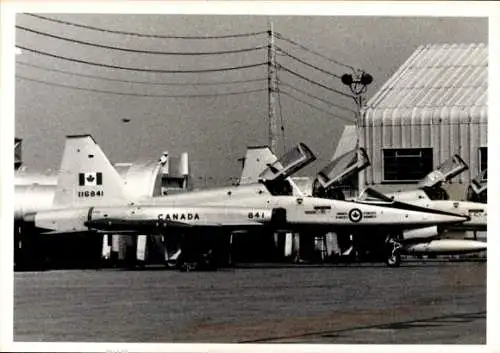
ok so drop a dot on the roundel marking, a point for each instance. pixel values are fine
(355, 215)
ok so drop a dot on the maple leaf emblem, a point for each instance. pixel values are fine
(90, 178)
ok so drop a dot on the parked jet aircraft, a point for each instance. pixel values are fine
(429, 195)
(425, 240)
(91, 197)
(35, 192)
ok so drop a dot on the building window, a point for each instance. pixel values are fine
(407, 164)
(483, 160)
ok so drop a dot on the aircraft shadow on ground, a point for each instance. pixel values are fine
(434, 321)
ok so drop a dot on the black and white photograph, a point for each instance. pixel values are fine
(276, 175)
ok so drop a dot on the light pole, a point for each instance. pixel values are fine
(358, 83)
(272, 89)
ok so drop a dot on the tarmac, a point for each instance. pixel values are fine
(422, 302)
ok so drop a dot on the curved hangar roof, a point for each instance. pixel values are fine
(436, 77)
(439, 88)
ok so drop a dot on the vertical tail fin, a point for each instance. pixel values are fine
(86, 176)
(256, 160)
(254, 163)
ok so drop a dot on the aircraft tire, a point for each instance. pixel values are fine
(171, 265)
(393, 255)
(393, 259)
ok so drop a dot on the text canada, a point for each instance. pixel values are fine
(178, 216)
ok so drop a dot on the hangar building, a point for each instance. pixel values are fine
(434, 106)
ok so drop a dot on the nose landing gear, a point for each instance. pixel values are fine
(393, 252)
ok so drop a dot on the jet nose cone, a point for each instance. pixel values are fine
(468, 245)
(463, 218)
(479, 246)
(452, 218)
(482, 247)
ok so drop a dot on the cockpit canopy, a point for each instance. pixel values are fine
(342, 168)
(480, 183)
(444, 172)
(372, 195)
(296, 158)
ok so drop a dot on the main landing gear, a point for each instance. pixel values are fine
(393, 250)
(198, 252)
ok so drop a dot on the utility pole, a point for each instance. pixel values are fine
(272, 89)
(358, 83)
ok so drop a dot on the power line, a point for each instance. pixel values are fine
(143, 35)
(316, 107)
(140, 95)
(281, 115)
(306, 63)
(318, 98)
(231, 68)
(97, 77)
(313, 81)
(130, 50)
(280, 36)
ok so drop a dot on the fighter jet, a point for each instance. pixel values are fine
(426, 240)
(91, 197)
(34, 192)
(430, 195)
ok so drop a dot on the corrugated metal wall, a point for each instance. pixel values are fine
(437, 99)
(447, 131)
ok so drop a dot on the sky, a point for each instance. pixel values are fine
(214, 130)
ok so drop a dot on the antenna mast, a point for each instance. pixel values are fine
(272, 89)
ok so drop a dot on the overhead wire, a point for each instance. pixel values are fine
(97, 77)
(284, 52)
(316, 107)
(280, 36)
(137, 51)
(143, 35)
(138, 94)
(313, 81)
(318, 98)
(220, 69)
(231, 68)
